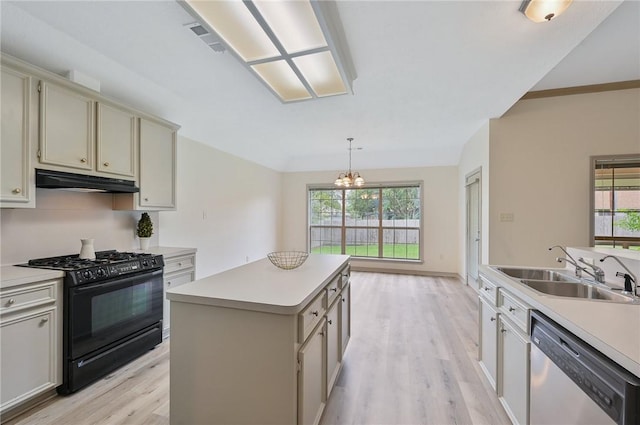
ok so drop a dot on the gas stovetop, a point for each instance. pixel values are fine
(107, 265)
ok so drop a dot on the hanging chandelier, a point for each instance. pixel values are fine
(349, 179)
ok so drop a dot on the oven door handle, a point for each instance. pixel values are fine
(118, 281)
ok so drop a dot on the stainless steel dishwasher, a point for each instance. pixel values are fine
(573, 383)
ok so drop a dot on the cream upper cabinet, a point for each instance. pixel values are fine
(15, 187)
(67, 127)
(116, 140)
(157, 165)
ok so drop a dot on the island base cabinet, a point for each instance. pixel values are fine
(231, 366)
(311, 377)
(333, 346)
(345, 319)
(27, 356)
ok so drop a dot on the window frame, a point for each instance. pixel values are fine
(379, 227)
(611, 159)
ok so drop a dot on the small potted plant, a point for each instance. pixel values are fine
(144, 230)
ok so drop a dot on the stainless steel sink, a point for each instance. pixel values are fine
(575, 290)
(537, 274)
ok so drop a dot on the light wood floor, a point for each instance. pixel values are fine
(411, 360)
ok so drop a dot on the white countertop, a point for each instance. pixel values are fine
(168, 251)
(261, 286)
(611, 328)
(13, 275)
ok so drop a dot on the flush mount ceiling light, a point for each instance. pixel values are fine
(349, 179)
(296, 48)
(543, 10)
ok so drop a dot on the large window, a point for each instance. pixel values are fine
(372, 222)
(616, 202)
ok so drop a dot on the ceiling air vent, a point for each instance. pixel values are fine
(208, 38)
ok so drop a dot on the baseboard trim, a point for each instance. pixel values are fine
(404, 271)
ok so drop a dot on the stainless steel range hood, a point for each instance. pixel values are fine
(48, 179)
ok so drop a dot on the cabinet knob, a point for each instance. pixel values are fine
(106, 164)
(493, 319)
(503, 330)
(44, 320)
(486, 288)
(146, 199)
(330, 322)
(511, 309)
(169, 283)
(333, 289)
(17, 190)
(315, 313)
(344, 300)
(11, 301)
(179, 264)
(83, 160)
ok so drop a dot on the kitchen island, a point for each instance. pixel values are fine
(257, 344)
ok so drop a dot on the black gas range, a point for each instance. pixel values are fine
(112, 311)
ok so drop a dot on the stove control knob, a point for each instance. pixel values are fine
(145, 263)
(87, 274)
(101, 272)
(153, 261)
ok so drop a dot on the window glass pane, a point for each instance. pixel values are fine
(380, 222)
(617, 203)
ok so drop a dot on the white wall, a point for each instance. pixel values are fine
(475, 155)
(60, 219)
(540, 166)
(441, 240)
(228, 208)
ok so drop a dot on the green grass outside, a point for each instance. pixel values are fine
(402, 251)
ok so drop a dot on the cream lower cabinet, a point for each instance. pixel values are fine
(178, 270)
(504, 351)
(514, 371)
(30, 350)
(312, 359)
(514, 348)
(345, 318)
(16, 189)
(334, 356)
(488, 350)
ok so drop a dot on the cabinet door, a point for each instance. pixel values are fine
(67, 127)
(333, 345)
(116, 141)
(311, 377)
(28, 362)
(345, 319)
(157, 165)
(488, 351)
(172, 282)
(514, 371)
(14, 140)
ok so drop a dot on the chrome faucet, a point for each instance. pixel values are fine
(632, 277)
(569, 260)
(598, 273)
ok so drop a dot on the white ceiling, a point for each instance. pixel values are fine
(430, 73)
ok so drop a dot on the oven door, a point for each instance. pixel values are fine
(102, 313)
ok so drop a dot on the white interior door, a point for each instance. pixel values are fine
(473, 236)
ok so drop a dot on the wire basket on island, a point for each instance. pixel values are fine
(288, 260)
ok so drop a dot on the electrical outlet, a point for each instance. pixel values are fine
(506, 217)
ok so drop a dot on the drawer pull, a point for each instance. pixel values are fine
(11, 301)
(344, 300)
(83, 160)
(315, 313)
(330, 322)
(512, 309)
(17, 190)
(179, 264)
(44, 320)
(503, 330)
(106, 164)
(333, 289)
(486, 288)
(493, 319)
(168, 283)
